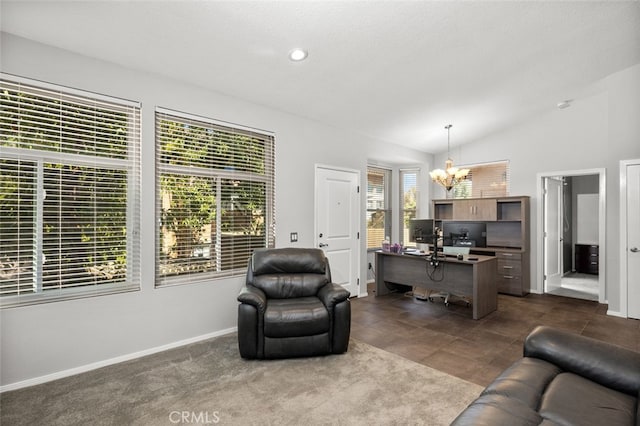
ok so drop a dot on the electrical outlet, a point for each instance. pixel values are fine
(294, 237)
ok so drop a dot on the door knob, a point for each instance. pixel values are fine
(634, 250)
(323, 245)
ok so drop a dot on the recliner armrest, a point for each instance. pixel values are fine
(253, 296)
(332, 294)
(610, 365)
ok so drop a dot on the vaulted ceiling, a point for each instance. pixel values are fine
(397, 71)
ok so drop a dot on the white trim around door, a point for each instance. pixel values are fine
(602, 221)
(624, 279)
(337, 223)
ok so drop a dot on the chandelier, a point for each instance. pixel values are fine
(450, 176)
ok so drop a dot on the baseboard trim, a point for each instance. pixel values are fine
(111, 361)
(616, 314)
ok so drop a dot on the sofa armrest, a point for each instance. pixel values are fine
(332, 294)
(609, 365)
(253, 296)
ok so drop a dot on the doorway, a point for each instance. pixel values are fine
(571, 234)
(337, 223)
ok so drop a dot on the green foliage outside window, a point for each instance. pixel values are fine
(213, 197)
(77, 234)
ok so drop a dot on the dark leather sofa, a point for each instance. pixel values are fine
(290, 308)
(563, 379)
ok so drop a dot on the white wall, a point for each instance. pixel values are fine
(597, 131)
(57, 338)
(47, 339)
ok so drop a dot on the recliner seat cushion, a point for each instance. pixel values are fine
(303, 316)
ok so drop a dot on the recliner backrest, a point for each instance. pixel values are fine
(288, 272)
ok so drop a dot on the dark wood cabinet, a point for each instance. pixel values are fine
(507, 235)
(587, 258)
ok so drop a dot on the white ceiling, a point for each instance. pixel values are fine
(397, 71)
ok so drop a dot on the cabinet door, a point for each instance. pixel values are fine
(475, 209)
(486, 209)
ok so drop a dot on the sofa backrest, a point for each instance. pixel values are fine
(612, 366)
(288, 272)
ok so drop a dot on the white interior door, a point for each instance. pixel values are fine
(337, 206)
(633, 241)
(552, 233)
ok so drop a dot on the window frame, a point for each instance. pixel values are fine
(401, 202)
(386, 201)
(218, 175)
(40, 157)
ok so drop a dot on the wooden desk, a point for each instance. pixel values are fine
(472, 279)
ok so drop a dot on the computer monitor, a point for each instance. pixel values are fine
(421, 231)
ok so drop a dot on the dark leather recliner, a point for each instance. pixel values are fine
(290, 308)
(563, 379)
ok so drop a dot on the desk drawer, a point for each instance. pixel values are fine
(504, 255)
(509, 267)
(509, 284)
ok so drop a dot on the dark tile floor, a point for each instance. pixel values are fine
(449, 340)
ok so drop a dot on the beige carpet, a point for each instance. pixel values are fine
(208, 383)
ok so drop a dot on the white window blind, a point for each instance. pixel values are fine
(408, 200)
(69, 193)
(485, 180)
(378, 206)
(215, 197)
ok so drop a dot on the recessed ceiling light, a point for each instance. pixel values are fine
(298, 55)
(564, 104)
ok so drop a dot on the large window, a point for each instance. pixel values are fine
(408, 201)
(215, 197)
(485, 180)
(69, 193)
(378, 206)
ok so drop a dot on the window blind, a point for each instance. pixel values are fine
(485, 180)
(215, 198)
(69, 193)
(378, 206)
(408, 200)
